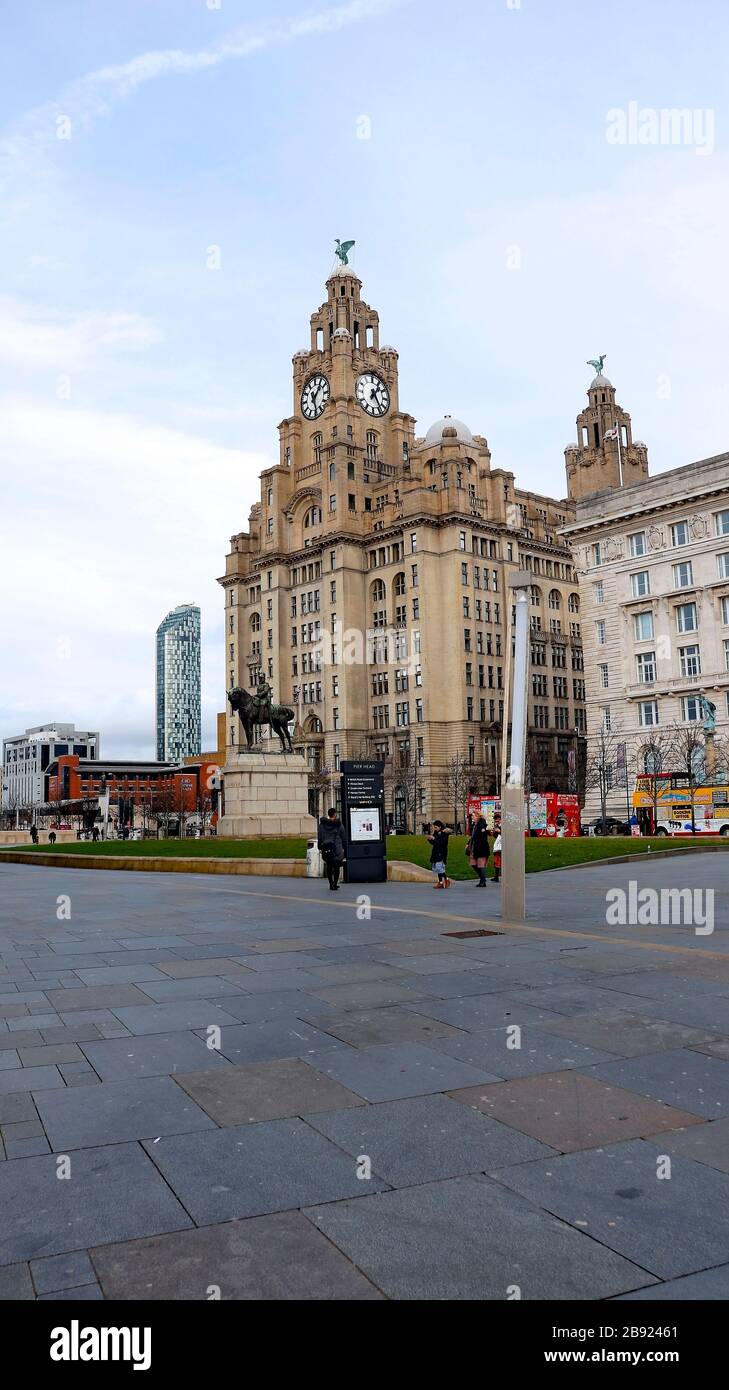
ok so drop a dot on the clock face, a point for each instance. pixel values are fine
(314, 396)
(372, 394)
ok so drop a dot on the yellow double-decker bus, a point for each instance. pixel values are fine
(664, 803)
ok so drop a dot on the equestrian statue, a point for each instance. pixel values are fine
(259, 709)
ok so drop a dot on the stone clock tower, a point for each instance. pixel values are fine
(370, 586)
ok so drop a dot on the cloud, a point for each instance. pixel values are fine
(33, 336)
(96, 94)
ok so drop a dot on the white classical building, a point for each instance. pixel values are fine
(652, 558)
(26, 757)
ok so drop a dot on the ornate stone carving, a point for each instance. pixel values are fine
(698, 525)
(655, 538)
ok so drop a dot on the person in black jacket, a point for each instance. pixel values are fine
(330, 840)
(478, 849)
(439, 853)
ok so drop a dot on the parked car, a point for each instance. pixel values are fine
(609, 826)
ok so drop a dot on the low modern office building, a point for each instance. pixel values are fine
(27, 756)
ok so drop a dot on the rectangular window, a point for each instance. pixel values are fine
(464, 573)
(333, 591)
(686, 618)
(648, 714)
(419, 711)
(725, 612)
(721, 523)
(333, 502)
(690, 660)
(600, 632)
(414, 575)
(646, 663)
(599, 588)
(683, 576)
(680, 533)
(643, 627)
(461, 540)
(596, 554)
(636, 543)
(722, 561)
(335, 717)
(640, 584)
(413, 541)
(603, 675)
(691, 709)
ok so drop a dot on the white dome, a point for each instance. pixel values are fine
(303, 352)
(342, 333)
(600, 381)
(393, 350)
(436, 431)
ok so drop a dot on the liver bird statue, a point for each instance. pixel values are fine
(597, 362)
(343, 249)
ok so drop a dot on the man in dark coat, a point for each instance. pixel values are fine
(331, 843)
(478, 849)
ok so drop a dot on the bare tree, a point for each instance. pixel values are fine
(454, 782)
(656, 757)
(600, 765)
(688, 759)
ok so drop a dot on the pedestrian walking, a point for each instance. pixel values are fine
(497, 851)
(52, 837)
(330, 840)
(439, 853)
(478, 849)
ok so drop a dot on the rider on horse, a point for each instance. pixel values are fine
(263, 699)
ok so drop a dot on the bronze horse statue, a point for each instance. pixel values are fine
(250, 714)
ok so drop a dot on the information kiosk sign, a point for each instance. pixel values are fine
(363, 796)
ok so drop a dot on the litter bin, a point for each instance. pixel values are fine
(314, 861)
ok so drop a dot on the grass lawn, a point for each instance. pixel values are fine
(540, 853)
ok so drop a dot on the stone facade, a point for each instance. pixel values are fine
(371, 583)
(653, 563)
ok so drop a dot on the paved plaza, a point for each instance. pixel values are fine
(252, 1088)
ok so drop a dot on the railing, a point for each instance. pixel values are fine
(308, 472)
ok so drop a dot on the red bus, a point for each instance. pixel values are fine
(548, 813)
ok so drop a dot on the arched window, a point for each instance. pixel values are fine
(373, 444)
(652, 760)
(255, 622)
(574, 603)
(536, 595)
(377, 592)
(313, 517)
(555, 600)
(399, 584)
(314, 725)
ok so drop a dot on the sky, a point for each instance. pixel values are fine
(172, 178)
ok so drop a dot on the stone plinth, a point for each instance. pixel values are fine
(265, 794)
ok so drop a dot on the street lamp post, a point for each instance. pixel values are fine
(512, 789)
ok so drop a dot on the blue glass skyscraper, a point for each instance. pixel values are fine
(178, 684)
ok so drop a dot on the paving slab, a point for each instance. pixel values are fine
(707, 1143)
(62, 1272)
(17, 1108)
(8, 1059)
(119, 974)
(266, 981)
(709, 1284)
(278, 1165)
(180, 1017)
(425, 1138)
(383, 1026)
(16, 1283)
(469, 1238)
(628, 1034)
(393, 1071)
(193, 969)
(265, 1258)
(709, 1011)
(118, 1111)
(690, 1080)
(25, 1148)
(268, 1005)
(265, 1091)
(372, 994)
(29, 1037)
(484, 1011)
(203, 987)
(669, 1227)
(282, 1037)
(85, 1293)
(29, 1079)
(66, 1001)
(571, 1111)
(51, 1054)
(158, 1054)
(538, 1052)
(115, 1193)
